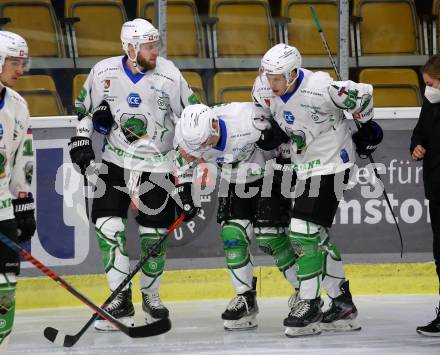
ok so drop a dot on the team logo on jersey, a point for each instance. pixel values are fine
(107, 84)
(28, 171)
(163, 102)
(2, 165)
(193, 99)
(82, 94)
(298, 137)
(134, 126)
(27, 148)
(288, 117)
(344, 155)
(1, 131)
(134, 100)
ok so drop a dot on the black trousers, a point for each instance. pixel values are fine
(434, 212)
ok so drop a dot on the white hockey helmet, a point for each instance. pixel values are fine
(281, 59)
(194, 128)
(137, 32)
(12, 45)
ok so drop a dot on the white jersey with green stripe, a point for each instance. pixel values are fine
(312, 116)
(146, 104)
(240, 160)
(16, 153)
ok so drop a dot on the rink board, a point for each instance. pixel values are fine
(176, 285)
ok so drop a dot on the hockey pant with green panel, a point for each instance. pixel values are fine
(7, 308)
(236, 235)
(275, 242)
(113, 244)
(333, 272)
(305, 238)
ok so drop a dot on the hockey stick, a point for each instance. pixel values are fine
(158, 327)
(133, 332)
(92, 166)
(358, 125)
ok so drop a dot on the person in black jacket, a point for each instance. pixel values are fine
(425, 145)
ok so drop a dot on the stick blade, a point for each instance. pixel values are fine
(54, 336)
(160, 327)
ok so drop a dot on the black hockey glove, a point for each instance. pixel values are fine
(367, 138)
(24, 211)
(271, 138)
(81, 152)
(102, 118)
(184, 192)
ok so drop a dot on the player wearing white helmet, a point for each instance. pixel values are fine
(133, 100)
(228, 135)
(141, 43)
(17, 219)
(309, 107)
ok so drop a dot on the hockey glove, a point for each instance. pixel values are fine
(81, 153)
(184, 192)
(24, 211)
(367, 138)
(273, 137)
(102, 118)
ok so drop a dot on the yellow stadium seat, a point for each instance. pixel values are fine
(184, 32)
(302, 31)
(393, 87)
(37, 23)
(195, 81)
(99, 28)
(387, 27)
(234, 86)
(436, 13)
(41, 95)
(244, 27)
(78, 82)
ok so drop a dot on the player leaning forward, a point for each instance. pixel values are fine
(227, 135)
(134, 99)
(309, 109)
(17, 220)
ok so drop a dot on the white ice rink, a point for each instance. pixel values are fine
(388, 322)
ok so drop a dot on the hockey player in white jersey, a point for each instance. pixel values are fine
(227, 135)
(17, 218)
(133, 100)
(309, 109)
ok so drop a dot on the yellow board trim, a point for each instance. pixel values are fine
(183, 285)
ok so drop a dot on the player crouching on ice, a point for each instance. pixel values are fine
(309, 109)
(227, 135)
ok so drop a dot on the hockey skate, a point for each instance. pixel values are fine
(304, 318)
(294, 299)
(121, 308)
(241, 311)
(341, 316)
(153, 307)
(433, 328)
